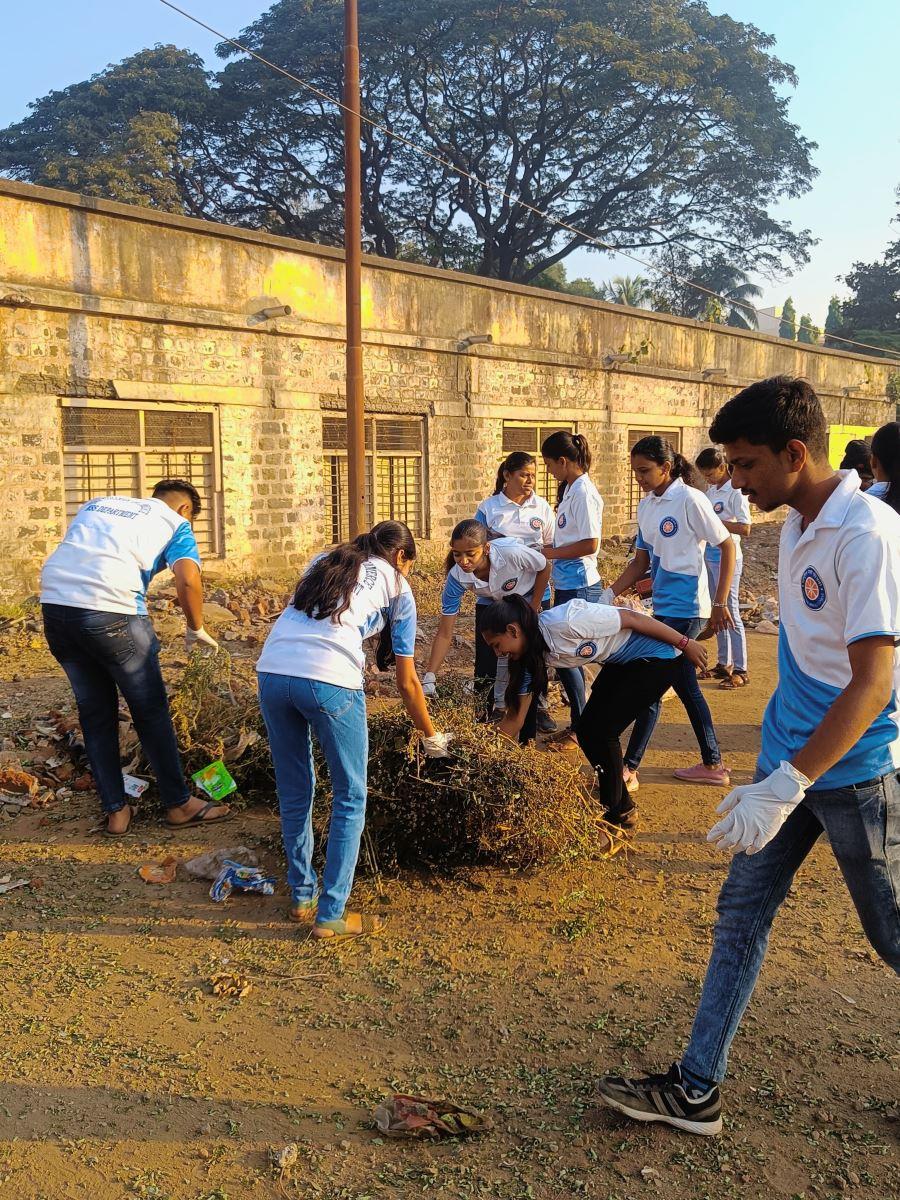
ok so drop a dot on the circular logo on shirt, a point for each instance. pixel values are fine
(510, 584)
(144, 509)
(586, 650)
(536, 523)
(668, 527)
(812, 589)
(719, 506)
(561, 521)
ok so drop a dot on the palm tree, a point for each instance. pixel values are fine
(633, 290)
(734, 288)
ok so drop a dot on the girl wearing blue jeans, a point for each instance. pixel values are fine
(675, 524)
(576, 539)
(732, 508)
(311, 681)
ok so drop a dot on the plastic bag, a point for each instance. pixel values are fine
(237, 876)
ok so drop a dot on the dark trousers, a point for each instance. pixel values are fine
(486, 673)
(689, 693)
(103, 653)
(621, 692)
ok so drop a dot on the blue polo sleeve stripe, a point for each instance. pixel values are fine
(451, 597)
(183, 544)
(481, 517)
(403, 625)
(641, 544)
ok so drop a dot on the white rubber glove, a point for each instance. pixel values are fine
(756, 811)
(200, 639)
(429, 683)
(436, 745)
(607, 596)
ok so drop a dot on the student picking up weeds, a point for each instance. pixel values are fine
(641, 659)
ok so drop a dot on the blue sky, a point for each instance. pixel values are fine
(845, 56)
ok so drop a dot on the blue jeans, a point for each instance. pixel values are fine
(293, 709)
(688, 691)
(103, 654)
(572, 678)
(731, 644)
(863, 827)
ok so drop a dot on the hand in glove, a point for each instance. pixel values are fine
(200, 639)
(436, 745)
(429, 683)
(756, 811)
(607, 596)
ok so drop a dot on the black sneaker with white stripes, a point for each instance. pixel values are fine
(664, 1098)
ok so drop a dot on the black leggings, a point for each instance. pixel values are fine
(621, 692)
(485, 674)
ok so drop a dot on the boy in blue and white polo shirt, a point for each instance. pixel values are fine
(830, 740)
(94, 603)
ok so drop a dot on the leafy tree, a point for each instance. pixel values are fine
(835, 318)
(136, 132)
(555, 279)
(633, 290)
(788, 327)
(681, 285)
(640, 124)
(872, 312)
(807, 332)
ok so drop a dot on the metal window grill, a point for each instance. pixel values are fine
(125, 451)
(394, 483)
(521, 435)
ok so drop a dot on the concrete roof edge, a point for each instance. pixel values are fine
(150, 216)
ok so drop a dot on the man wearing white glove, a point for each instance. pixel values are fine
(830, 750)
(93, 598)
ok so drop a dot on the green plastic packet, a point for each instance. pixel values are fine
(215, 780)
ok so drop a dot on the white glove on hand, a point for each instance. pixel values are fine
(756, 811)
(436, 745)
(429, 683)
(200, 639)
(607, 596)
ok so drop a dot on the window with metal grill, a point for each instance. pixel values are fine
(394, 473)
(522, 435)
(634, 436)
(125, 451)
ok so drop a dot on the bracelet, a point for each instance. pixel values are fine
(684, 641)
(719, 605)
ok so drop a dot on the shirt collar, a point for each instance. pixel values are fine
(672, 492)
(833, 512)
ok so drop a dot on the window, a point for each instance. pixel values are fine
(520, 435)
(119, 451)
(634, 436)
(394, 488)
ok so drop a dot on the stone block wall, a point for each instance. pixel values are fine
(104, 303)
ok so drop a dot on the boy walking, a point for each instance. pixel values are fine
(830, 751)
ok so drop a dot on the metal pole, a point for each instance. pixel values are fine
(356, 428)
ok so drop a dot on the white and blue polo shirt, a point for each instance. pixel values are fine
(513, 570)
(579, 515)
(838, 582)
(580, 632)
(674, 529)
(332, 651)
(729, 504)
(531, 521)
(112, 550)
(879, 489)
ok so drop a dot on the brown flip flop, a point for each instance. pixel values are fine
(200, 818)
(113, 833)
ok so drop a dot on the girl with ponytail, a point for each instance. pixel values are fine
(676, 522)
(886, 465)
(503, 567)
(311, 681)
(576, 537)
(640, 658)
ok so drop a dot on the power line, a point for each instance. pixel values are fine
(496, 188)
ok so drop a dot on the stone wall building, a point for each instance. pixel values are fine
(133, 345)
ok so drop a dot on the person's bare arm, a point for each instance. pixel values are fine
(579, 549)
(720, 618)
(511, 725)
(865, 696)
(540, 587)
(741, 528)
(189, 589)
(650, 627)
(635, 570)
(413, 697)
(441, 644)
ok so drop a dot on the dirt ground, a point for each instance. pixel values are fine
(123, 1076)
